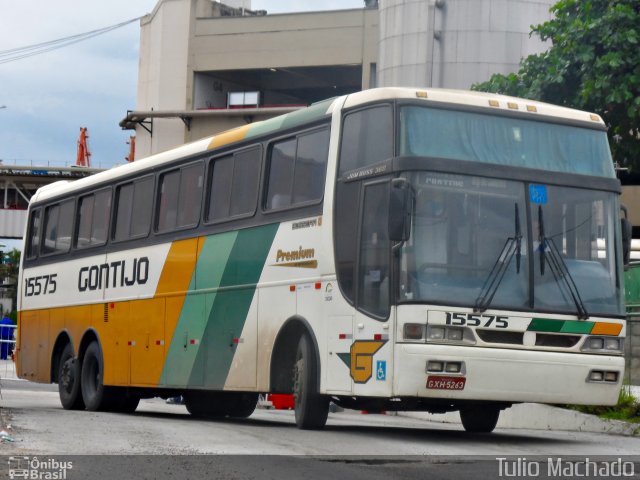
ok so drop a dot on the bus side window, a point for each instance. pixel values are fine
(311, 166)
(33, 246)
(180, 198)
(233, 185)
(297, 170)
(367, 138)
(281, 167)
(133, 204)
(58, 226)
(124, 208)
(93, 219)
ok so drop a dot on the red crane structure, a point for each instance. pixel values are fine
(83, 158)
(132, 149)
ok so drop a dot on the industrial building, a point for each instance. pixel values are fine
(207, 66)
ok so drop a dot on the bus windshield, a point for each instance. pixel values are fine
(433, 132)
(464, 226)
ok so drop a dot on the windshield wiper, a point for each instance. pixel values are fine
(513, 246)
(558, 266)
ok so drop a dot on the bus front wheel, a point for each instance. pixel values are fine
(69, 380)
(479, 418)
(311, 408)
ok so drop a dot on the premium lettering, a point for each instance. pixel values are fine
(295, 255)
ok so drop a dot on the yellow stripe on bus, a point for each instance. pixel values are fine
(231, 136)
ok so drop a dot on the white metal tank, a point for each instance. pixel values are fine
(455, 43)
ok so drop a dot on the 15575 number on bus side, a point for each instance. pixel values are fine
(42, 285)
(474, 320)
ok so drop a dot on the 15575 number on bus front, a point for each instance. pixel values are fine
(475, 320)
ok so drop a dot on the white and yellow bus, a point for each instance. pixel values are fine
(393, 249)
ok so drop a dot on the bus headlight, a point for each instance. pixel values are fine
(603, 345)
(447, 334)
(596, 343)
(612, 344)
(435, 333)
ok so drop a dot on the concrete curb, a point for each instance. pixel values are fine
(535, 416)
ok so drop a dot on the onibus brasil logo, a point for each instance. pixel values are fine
(38, 469)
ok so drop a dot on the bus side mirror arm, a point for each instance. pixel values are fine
(400, 208)
(626, 237)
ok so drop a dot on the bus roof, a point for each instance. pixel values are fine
(315, 112)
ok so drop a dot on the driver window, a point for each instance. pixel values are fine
(373, 274)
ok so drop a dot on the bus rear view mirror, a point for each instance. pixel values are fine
(400, 203)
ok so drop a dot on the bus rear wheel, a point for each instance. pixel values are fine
(69, 380)
(479, 418)
(123, 402)
(311, 408)
(95, 395)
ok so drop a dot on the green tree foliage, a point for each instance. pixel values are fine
(593, 64)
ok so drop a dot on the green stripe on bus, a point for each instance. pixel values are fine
(545, 325)
(226, 312)
(208, 273)
(573, 326)
(559, 326)
(289, 120)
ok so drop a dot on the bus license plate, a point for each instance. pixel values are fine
(438, 382)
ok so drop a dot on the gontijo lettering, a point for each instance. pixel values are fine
(114, 274)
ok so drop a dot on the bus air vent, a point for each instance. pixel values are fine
(559, 341)
(495, 336)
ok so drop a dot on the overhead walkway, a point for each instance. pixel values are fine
(18, 183)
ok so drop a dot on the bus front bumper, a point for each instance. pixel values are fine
(510, 375)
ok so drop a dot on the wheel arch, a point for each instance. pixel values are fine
(89, 336)
(283, 355)
(64, 339)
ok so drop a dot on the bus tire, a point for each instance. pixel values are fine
(311, 408)
(242, 405)
(204, 404)
(69, 380)
(124, 403)
(95, 395)
(479, 418)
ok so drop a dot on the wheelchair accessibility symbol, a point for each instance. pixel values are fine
(381, 370)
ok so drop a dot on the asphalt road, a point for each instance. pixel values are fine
(163, 441)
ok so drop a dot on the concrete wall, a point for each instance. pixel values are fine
(177, 42)
(162, 75)
(455, 43)
(285, 40)
(12, 223)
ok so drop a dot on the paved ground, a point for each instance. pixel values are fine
(41, 426)
(162, 441)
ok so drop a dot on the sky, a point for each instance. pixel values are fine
(90, 84)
